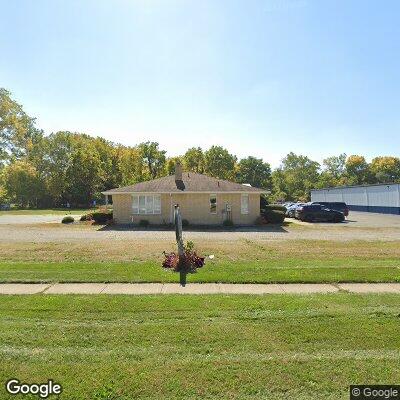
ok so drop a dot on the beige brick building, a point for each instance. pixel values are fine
(203, 200)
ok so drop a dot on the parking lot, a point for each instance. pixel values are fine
(358, 219)
(358, 226)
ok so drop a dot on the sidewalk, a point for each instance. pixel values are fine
(195, 288)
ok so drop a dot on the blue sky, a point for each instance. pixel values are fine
(261, 78)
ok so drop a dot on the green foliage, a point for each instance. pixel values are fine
(17, 130)
(102, 217)
(22, 183)
(357, 170)
(296, 176)
(86, 217)
(188, 246)
(276, 207)
(385, 169)
(193, 160)
(49, 171)
(68, 220)
(144, 223)
(153, 158)
(254, 171)
(170, 165)
(219, 163)
(274, 216)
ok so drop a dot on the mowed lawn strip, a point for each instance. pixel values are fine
(273, 271)
(239, 261)
(192, 347)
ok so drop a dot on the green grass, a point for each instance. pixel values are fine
(201, 347)
(283, 270)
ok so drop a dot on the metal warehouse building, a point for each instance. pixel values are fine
(382, 198)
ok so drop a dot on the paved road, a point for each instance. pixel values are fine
(195, 288)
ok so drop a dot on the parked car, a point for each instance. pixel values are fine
(288, 204)
(334, 205)
(291, 211)
(316, 212)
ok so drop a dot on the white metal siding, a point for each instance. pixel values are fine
(379, 198)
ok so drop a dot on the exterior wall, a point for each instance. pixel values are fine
(373, 198)
(195, 207)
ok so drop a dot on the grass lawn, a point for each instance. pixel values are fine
(285, 270)
(48, 211)
(238, 262)
(189, 347)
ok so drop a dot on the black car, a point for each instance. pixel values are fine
(334, 205)
(316, 212)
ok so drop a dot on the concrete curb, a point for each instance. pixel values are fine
(194, 288)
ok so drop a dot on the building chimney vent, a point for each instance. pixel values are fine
(178, 171)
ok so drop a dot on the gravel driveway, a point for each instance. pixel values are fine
(360, 226)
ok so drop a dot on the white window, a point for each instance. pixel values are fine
(245, 204)
(146, 204)
(213, 203)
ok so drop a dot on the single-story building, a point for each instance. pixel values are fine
(203, 200)
(378, 198)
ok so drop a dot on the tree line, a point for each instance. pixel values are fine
(65, 167)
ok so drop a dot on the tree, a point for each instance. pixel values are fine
(357, 170)
(278, 186)
(83, 178)
(335, 165)
(296, 176)
(130, 165)
(333, 171)
(53, 163)
(219, 163)
(22, 183)
(254, 171)
(170, 165)
(385, 169)
(193, 160)
(153, 158)
(17, 130)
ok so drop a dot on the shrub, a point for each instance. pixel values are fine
(228, 223)
(189, 262)
(68, 220)
(275, 207)
(144, 223)
(185, 223)
(86, 217)
(100, 217)
(274, 216)
(260, 220)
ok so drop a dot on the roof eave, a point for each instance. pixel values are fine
(108, 192)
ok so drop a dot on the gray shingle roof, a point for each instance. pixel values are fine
(191, 182)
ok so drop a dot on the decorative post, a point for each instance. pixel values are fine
(179, 241)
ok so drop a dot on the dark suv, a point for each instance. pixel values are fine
(334, 205)
(316, 212)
